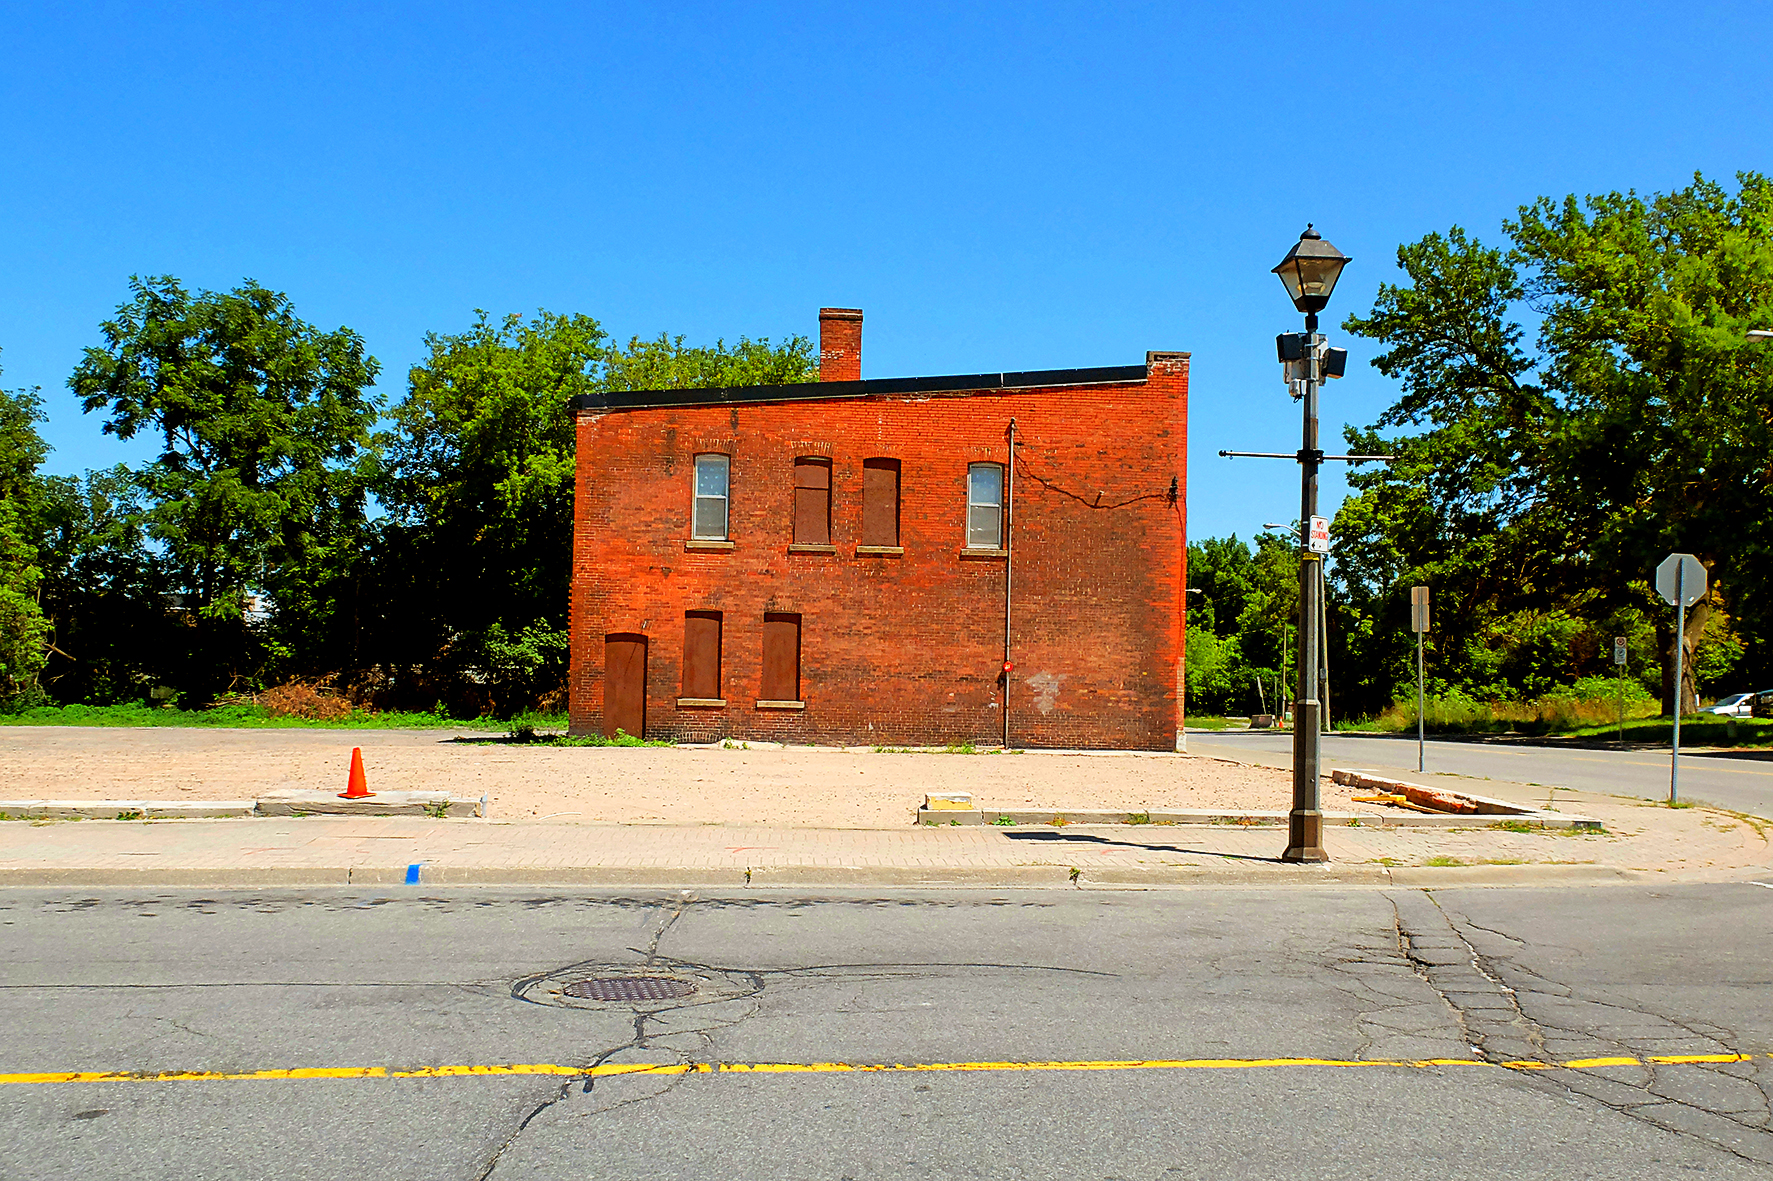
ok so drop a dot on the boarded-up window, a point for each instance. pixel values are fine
(812, 502)
(984, 506)
(710, 519)
(781, 656)
(701, 654)
(880, 502)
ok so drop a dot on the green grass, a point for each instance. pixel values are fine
(1206, 722)
(1696, 730)
(1443, 862)
(257, 717)
(1463, 718)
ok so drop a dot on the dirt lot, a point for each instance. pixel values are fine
(798, 786)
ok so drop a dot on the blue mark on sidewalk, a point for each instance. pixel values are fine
(412, 873)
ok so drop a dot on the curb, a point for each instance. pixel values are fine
(1332, 875)
(277, 803)
(1462, 805)
(1010, 817)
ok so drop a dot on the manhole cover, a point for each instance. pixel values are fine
(629, 988)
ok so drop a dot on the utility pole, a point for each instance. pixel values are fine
(1419, 625)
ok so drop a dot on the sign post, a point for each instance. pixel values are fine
(1680, 580)
(1619, 659)
(1419, 625)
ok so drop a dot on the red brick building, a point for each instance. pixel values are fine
(827, 562)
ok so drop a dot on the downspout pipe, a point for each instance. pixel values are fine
(1009, 499)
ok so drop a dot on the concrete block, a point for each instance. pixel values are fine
(122, 809)
(382, 803)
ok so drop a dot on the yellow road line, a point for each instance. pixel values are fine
(608, 1069)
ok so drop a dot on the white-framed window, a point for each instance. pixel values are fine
(709, 522)
(985, 506)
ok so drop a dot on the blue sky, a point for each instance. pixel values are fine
(999, 186)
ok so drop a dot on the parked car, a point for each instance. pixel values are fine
(1737, 705)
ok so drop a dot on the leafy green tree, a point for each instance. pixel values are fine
(24, 632)
(1243, 618)
(1548, 480)
(114, 634)
(260, 485)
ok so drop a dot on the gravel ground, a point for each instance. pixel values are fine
(764, 784)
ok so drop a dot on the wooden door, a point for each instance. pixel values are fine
(624, 685)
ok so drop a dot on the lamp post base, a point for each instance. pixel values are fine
(1305, 836)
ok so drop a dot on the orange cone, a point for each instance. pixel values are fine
(358, 787)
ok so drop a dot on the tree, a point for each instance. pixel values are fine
(471, 570)
(1242, 619)
(260, 486)
(24, 632)
(1551, 480)
(103, 592)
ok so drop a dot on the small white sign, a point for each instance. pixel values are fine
(1618, 649)
(1320, 535)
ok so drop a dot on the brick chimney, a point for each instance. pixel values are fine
(840, 344)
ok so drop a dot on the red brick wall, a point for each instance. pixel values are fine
(909, 649)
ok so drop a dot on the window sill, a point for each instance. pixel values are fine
(781, 705)
(984, 553)
(884, 551)
(717, 545)
(701, 702)
(807, 547)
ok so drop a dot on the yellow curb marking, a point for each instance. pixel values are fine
(608, 1069)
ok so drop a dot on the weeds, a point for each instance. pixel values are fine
(438, 811)
(1443, 862)
(1512, 826)
(1005, 821)
(622, 738)
(1138, 818)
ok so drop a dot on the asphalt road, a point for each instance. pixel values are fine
(1740, 780)
(982, 993)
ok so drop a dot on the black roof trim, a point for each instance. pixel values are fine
(812, 391)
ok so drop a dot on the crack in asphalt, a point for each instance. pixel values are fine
(643, 1040)
(1505, 1022)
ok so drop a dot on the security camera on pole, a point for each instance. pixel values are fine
(1309, 272)
(1680, 580)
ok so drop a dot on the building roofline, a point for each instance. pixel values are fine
(814, 391)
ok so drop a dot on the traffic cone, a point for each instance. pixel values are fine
(358, 787)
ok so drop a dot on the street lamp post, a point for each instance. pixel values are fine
(1309, 272)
